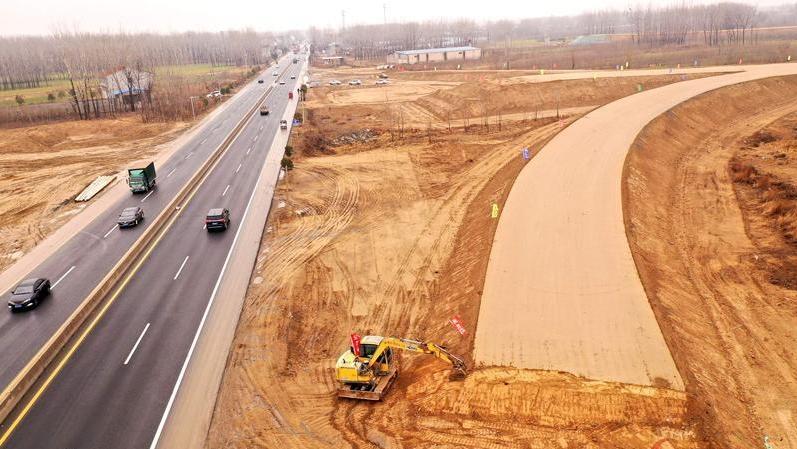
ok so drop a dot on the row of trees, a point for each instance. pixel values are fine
(675, 24)
(32, 61)
(730, 23)
(125, 62)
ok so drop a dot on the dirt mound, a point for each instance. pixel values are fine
(504, 407)
(703, 195)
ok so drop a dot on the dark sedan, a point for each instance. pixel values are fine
(130, 216)
(28, 294)
(217, 219)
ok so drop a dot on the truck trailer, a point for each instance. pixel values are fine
(141, 180)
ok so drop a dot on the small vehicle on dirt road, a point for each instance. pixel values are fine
(334, 83)
(28, 294)
(382, 82)
(218, 219)
(355, 83)
(130, 216)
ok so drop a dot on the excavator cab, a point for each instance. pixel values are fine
(368, 371)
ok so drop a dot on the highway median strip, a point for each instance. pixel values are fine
(109, 288)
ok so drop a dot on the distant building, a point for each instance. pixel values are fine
(332, 60)
(126, 85)
(435, 55)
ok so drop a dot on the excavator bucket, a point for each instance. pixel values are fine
(457, 374)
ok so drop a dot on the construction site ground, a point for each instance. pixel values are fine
(710, 208)
(388, 232)
(44, 167)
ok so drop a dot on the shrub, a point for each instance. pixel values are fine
(20, 100)
(288, 150)
(286, 163)
(50, 97)
(61, 94)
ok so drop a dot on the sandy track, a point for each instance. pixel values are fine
(562, 291)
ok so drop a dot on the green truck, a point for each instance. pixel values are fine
(141, 180)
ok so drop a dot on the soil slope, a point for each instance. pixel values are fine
(709, 209)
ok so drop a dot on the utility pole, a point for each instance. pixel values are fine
(342, 20)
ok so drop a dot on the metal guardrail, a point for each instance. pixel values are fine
(16, 390)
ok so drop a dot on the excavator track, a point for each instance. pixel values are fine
(381, 389)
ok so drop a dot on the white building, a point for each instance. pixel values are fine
(128, 85)
(435, 55)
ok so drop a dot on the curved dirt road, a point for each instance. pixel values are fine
(562, 291)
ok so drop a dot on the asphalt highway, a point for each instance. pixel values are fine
(112, 391)
(77, 267)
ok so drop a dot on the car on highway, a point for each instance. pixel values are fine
(334, 83)
(28, 294)
(264, 110)
(355, 83)
(293, 77)
(282, 82)
(130, 216)
(283, 124)
(275, 74)
(217, 219)
(259, 81)
(382, 82)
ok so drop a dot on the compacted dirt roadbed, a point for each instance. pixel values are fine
(562, 290)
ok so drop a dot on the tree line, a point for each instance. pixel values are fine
(31, 61)
(724, 23)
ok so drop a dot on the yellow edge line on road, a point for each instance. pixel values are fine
(108, 304)
(88, 330)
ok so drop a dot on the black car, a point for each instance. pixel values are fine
(259, 81)
(130, 216)
(28, 294)
(217, 219)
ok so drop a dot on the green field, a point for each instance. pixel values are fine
(38, 95)
(35, 95)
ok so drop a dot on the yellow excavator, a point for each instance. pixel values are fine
(368, 368)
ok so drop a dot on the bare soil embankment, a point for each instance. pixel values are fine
(709, 204)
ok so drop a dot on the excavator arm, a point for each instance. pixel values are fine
(406, 344)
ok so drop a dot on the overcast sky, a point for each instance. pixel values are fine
(41, 16)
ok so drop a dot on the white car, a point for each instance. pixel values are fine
(381, 82)
(334, 83)
(282, 82)
(275, 74)
(293, 77)
(355, 83)
(214, 94)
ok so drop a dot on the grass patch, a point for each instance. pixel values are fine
(36, 95)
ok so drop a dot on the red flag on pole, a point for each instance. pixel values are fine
(457, 323)
(355, 344)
